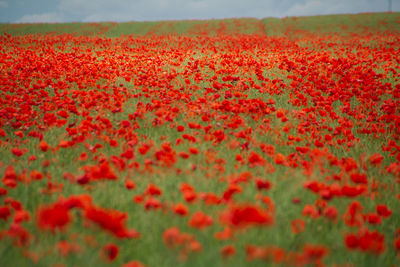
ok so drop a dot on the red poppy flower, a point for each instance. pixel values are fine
(133, 264)
(246, 215)
(111, 220)
(4, 212)
(297, 225)
(110, 252)
(200, 220)
(181, 209)
(53, 217)
(383, 210)
(228, 251)
(43, 146)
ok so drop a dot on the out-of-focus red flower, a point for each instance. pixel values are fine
(397, 244)
(374, 218)
(152, 203)
(133, 264)
(298, 226)
(246, 215)
(43, 146)
(153, 190)
(375, 159)
(331, 213)
(263, 184)
(18, 151)
(279, 159)
(53, 217)
(4, 213)
(366, 241)
(359, 178)
(129, 184)
(112, 221)
(200, 220)
(273, 253)
(351, 241)
(181, 209)
(311, 211)
(175, 239)
(101, 171)
(20, 235)
(353, 215)
(383, 210)
(193, 150)
(65, 248)
(255, 159)
(110, 252)
(228, 251)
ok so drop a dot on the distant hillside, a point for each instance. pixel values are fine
(329, 24)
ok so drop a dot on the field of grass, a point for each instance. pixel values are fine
(296, 26)
(232, 142)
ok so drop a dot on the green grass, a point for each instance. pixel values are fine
(328, 24)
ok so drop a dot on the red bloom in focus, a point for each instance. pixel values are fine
(53, 217)
(110, 252)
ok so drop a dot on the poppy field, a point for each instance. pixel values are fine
(234, 142)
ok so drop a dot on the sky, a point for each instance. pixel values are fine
(33, 11)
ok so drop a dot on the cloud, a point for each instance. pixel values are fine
(44, 17)
(145, 10)
(3, 4)
(323, 7)
(122, 10)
